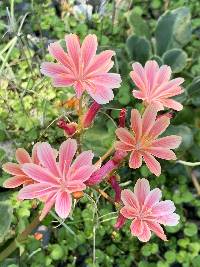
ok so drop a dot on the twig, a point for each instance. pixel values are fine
(105, 156)
(107, 197)
(195, 182)
(21, 237)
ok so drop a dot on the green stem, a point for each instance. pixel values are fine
(186, 163)
(21, 237)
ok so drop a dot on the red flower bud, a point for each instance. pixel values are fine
(90, 115)
(120, 221)
(122, 118)
(69, 128)
(116, 187)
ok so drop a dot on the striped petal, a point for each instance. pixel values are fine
(63, 204)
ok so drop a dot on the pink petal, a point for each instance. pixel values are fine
(73, 48)
(163, 208)
(81, 174)
(152, 198)
(128, 212)
(174, 91)
(125, 136)
(170, 103)
(100, 93)
(66, 153)
(163, 74)
(109, 80)
(59, 54)
(146, 234)
(162, 153)
(75, 186)
(48, 205)
(148, 119)
(139, 73)
(12, 168)
(22, 156)
(85, 158)
(138, 81)
(172, 141)
(167, 87)
(47, 158)
(137, 227)
(35, 191)
(136, 123)
(101, 63)
(89, 48)
(39, 174)
(63, 204)
(159, 127)
(79, 88)
(53, 69)
(15, 181)
(142, 190)
(135, 160)
(138, 94)
(157, 229)
(122, 146)
(170, 219)
(129, 199)
(34, 154)
(63, 81)
(158, 105)
(151, 68)
(152, 163)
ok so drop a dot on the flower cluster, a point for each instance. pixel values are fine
(57, 182)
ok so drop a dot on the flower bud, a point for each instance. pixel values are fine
(122, 118)
(120, 221)
(116, 187)
(78, 194)
(90, 114)
(69, 128)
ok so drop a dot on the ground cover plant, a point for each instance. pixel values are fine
(99, 133)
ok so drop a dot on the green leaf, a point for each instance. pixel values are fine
(124, 95)
(138, 25)
(139, 48)
(173, 29)
(176, 58)
(170, 256)
(6, 212)
(100, 137)
(196, 261)
(190, 229)
(186, 134)
(194, 88)
(57, 252)
(158, 59)
(146, 250)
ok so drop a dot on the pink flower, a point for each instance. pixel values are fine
(143, 141)
(19, 177)
(82, 68)
(155, 86)
(56, 181)
(147, 211)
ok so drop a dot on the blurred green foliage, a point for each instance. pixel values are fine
(167, 31)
